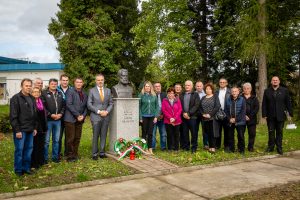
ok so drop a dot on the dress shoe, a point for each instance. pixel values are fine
(269, 149)
(103, 156)
(279, 151)
(95, 158)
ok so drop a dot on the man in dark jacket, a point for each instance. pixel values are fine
(64, 87)
(190, 102)
(23, 121)
(76, 111)
(160, 122)
(55, 106)
(223, 93)
(275, 106)
(235, 110)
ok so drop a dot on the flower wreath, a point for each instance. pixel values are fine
(123, 147)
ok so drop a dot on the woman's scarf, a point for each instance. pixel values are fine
(39, 104)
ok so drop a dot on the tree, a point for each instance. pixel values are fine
(164, 33)
(260, 31)
(93, 36)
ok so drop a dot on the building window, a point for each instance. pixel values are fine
(3, 91)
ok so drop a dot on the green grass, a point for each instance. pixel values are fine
(55, 174)
(4, 109)
(86, 169)
(291, 142)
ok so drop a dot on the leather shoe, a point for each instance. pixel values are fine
(30, 172)
(103, 156)
(279, 151)
(95, 157)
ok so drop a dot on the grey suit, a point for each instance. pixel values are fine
(100, 124)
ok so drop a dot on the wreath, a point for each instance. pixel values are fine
(123, 147)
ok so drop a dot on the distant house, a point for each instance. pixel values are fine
(12, 71)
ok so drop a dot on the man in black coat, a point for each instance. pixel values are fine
(190, 102)
(275, 106)
(23, 122)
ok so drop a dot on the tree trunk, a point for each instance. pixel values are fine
(262, 60)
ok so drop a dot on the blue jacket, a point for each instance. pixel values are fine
(236, 109)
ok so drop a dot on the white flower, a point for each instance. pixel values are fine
(117, 149)
(143, 141)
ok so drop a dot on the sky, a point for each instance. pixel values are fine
(24, 30)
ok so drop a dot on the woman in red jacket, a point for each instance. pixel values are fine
(172, 109)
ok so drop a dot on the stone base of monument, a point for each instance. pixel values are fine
(124, 122)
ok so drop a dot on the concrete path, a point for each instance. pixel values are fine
(202, 183)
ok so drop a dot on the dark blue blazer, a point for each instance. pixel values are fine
(74, 106)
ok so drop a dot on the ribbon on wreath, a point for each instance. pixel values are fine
(121, 143)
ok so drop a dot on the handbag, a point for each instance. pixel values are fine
(220, 115)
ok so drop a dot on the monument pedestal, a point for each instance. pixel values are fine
(124, 122)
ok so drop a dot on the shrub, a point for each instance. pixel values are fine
(4, 123)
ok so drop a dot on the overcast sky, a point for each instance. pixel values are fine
(23, 30)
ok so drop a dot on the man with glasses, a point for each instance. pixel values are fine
(223, 93)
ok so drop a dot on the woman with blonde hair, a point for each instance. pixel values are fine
(148, 112)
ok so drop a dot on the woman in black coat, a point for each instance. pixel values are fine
(37, 157)
(252, 107)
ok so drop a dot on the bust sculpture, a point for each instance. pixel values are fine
(122, 89)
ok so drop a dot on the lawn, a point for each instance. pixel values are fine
(86, 169)
(291, 142)
(55, 174)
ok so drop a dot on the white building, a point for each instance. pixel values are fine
(12, 71)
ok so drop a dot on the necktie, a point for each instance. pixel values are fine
(101, 95)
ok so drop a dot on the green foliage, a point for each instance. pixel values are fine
(163, 32)
(93, 37)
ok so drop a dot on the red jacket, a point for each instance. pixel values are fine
(170, 111)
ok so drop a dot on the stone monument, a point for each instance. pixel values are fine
(124, 121)
(122, 89)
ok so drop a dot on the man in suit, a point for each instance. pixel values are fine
(201, 93)
(76, 111)
(223, 93)
(100, 103)
(275, 106)
(190, 103)
(160, 122)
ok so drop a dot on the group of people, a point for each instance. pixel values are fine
(178, 115)
(38, 113)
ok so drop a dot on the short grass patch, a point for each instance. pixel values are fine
(55, 174)
(291, 142)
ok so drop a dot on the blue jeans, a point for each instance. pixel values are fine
(23, 151)
(162, 132)
(54, 127)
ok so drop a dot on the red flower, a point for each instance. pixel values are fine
(121, 140)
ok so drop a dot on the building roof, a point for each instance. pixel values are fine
(31, 67)
(12, 64)
(5, 60)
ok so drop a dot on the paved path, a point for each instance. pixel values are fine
(147, 164)
(206, 183)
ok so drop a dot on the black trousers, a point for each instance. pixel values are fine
(251, 135)
(275, 133)
(181, 136)
(37, 156)
(223, 124)
(172, 136)
(147, 130)
(209, 130)
(240, 135)
(189, 125)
